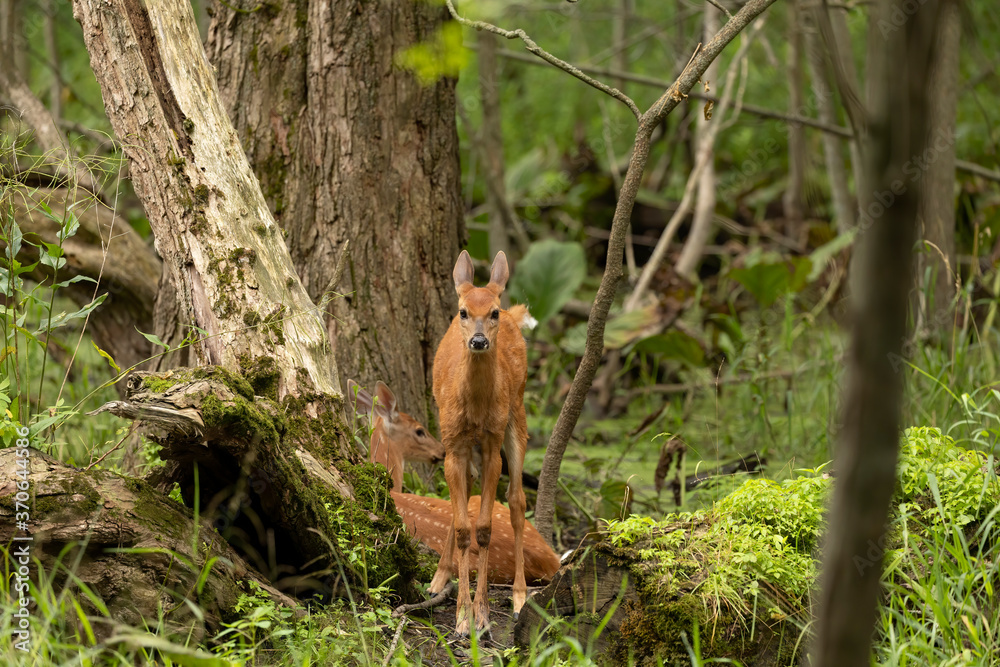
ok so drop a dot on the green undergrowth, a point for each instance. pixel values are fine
(744, 570)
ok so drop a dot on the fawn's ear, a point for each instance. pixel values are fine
(499, 273)
(386, 405)
(463, 273)
(359, 398)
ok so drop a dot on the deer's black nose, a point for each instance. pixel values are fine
(479, 342)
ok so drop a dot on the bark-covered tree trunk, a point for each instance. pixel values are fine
(900, 58)
(793, 200)
(349, 147)
(937, 192)
(258, 429)
(219, 243)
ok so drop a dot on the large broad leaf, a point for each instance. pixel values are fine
(765, 281)
(619, 331)
(673, 345)
(768, 281)
(548, 276)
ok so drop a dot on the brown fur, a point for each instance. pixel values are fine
(480, 397)
(396, 437)
(429, 519)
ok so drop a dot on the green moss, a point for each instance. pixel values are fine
(201, 195)
(188, 125)
(262, 373)
(273, 324)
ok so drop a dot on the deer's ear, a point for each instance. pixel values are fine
(386, 405)
(463, 273)
(499, 273)
(359, 398)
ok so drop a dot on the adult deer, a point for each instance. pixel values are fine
(480, 370)
(399, 438)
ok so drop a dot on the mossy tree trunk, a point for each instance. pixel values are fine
(256, 431)
(349, 147)
(232, 278)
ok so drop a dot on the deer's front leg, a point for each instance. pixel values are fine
(456, 474)
(484, 530)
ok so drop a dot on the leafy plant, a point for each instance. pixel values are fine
(547, 277)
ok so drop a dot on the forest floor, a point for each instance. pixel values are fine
(431, 633)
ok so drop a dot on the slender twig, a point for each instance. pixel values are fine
(426, 604)
(546, 56)
(395, 641)
(131, 430)
(718, 5)
(594, 350)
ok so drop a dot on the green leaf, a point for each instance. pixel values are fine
(441, 56)
(673, 345)
(548, 276)
(822, 255)
(14, 240)
(765, 281)
(69, 226)
(106, 356)
(618, 332)
(154, 339)
(614, 494)
(63, 319)
(53, 256)
(75, 279)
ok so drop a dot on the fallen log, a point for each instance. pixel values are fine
(140, 553)
(272, 478)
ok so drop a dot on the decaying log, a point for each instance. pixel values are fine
(270, 477)
(129, 544)
(604, 586)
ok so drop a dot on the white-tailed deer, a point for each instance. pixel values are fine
(429, 519)
(480, 370)
(396, 437)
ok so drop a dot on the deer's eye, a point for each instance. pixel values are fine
(463, 314)
(495, 314)
(420, 432)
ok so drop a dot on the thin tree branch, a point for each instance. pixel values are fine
(762, 112)
(584, 378)
(546, 56)
(701, 160)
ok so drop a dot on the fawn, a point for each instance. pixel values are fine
(397, 437)
(403, 439)
(480, 370)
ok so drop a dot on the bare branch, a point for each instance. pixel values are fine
(584, 378)
(701, 160)
(546, 56)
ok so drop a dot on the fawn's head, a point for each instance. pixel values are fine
(479, 307)
(407, 437)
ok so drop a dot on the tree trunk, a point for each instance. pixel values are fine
(263, 418)
(349, 147)
(701, 225)
(217, 238)
(843, 207)
(900, 59)
(937, 191)
(794, 206)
